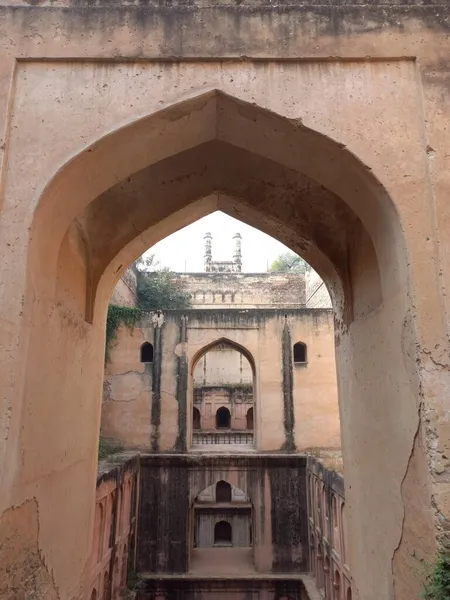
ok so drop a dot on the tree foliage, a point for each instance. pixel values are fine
(437, 584)
(157, 288)
(288, 262)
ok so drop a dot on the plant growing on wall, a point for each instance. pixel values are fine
(158, 288)
(437, 584)
(108, 446)
(117, 316)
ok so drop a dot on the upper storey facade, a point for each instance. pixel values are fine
(244, 290)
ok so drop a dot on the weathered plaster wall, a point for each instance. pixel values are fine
(129, 397)
(127, 390)
(371, 77)
(124, 294)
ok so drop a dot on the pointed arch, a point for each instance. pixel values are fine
(147, 352)
(223, 491)
(368, 272)
(223, 418)
(226, 342)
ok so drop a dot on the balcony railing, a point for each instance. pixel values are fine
(222, 437)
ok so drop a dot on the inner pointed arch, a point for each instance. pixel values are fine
(225, 342)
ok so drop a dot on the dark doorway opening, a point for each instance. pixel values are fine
(147, 353)
(223, 534)
(299, 352)
(196, 419)
(223, 418)
(250, 419)
(223, 492)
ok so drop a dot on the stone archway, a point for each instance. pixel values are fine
(94, 217)
(223, 417)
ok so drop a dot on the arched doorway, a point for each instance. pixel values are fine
(196, 418)
(353, 236)
(250, 419)
(223, 418)
(223, 492)
(222, 378)
(223, 534)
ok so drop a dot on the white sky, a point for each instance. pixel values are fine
(184, 250)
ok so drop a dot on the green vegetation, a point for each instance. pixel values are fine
(108, 446)
(117, 316)
(288, 262)
(157, 288)
(437, 584)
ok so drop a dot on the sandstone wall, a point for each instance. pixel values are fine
(150, 405)
(124, 294)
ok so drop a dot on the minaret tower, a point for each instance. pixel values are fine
(208, 253)
(237, 256)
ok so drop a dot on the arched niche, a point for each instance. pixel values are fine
(114, 199)
(300, 353)
(210, 516)
(147, 352)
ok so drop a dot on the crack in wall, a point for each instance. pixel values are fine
(410, 457)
